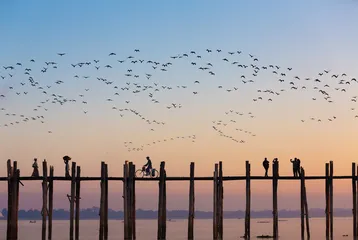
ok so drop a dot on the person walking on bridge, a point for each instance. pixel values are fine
(266, 165)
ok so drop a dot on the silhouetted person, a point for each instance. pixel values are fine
(149, 166)
(275, 164)
(35, 166)
(66, 159)
(298, 163)
(294, 166)
(266, 165)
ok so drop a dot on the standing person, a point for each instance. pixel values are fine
(266, 165)
(275, 163)
(35, 166)
(294, 167)
(66, 159)
(149, 166)
(298, 165)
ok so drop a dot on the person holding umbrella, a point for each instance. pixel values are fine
(66, 159)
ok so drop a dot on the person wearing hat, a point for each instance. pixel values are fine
(35, 172)
(66, 159)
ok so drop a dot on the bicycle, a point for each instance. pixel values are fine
(141, 173)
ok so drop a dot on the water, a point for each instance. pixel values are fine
(177, 229)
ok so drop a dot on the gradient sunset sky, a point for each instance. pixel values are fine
(307, 36)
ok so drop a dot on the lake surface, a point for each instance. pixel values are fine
(177, 229)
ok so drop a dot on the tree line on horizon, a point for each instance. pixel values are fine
(93, 213)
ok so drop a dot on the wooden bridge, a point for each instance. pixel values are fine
(129, 199)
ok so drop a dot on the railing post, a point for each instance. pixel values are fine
(215, 201)
(72, 198)
(44, 211)
(9, 199)
(101, 208)
(220, 201)
(161, 235)
(78, 198)
(248, 201)
(305, 204)
(331, 197)
(50, 204)
(191, 203)
(354, 195)
(327, 200)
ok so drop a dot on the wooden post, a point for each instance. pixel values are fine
(9, 199)
(215, 208)
(327, 200)
(72, 198)
(161, 235)
(248, 201)
(133, 204)
(305, 204)
(356, 204)
(77, 198)
(50, 204)
(44, 199)
(302, 206)
(101, 208)
(17, 202)
(105, 231)
(354, 194)
(129, 200)
(191, 204)
(274, 198)
(220, 201)
(14, 200)
(125, 201)
(331, 197)
(164, 204)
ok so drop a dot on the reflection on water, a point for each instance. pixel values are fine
(177, 229)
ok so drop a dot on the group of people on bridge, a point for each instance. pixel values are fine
(296, 166)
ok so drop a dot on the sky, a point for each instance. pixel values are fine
(307, 36)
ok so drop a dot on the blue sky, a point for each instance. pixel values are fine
(307, 35)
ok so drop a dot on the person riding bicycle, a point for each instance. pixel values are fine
(149, 166)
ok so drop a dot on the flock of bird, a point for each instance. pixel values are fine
(138, 78)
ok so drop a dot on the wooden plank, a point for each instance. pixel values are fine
(306, 205)
(72, 199)
(78, 198)
(44, 199)
(105, 230)
(302, 206)
(191, 203)
(101, 207)
(215, 200)
(211, 178)
(331, 198)
(327, 199)
(9, 199)
(354, 195)
(50, 203)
